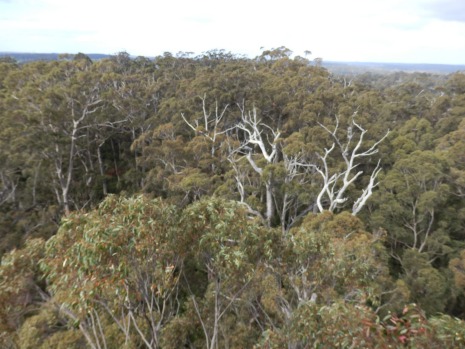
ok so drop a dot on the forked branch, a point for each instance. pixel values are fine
(335, 185)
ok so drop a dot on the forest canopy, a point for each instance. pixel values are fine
(218, 201)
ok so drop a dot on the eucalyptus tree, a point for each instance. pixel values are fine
(228, 250)
(54, 112)
(65, 111)
(25, 199)
(123, 269)
(9, 177)
(410, 199)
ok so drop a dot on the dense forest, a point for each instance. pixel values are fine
(218, 201)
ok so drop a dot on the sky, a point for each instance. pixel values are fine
(398, 31)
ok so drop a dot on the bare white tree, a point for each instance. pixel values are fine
(258, 144)
(335, 184)
(209, 125)
(241, 176)
(254, 135)
(297, 173)
(9, 184)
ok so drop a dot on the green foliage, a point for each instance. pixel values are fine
(20, 285)
(457, 265)
(120, 254)
(427, 285)
(342, 325)
(229, 241)
(449, 331)
(411, 197)
(46, 331)
(334, 257)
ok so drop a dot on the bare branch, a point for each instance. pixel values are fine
(332, 188)
(188, 123)
(254, 129)
(367, 192)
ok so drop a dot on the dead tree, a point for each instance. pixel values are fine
(335, 185)
(209, 125)
(254, 136)
(256, 142)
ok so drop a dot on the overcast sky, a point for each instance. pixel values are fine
(405, 31)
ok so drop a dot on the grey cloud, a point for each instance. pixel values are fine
(447, 10)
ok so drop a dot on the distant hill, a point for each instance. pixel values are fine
(30, 57)
(345, 68)
(384, 68)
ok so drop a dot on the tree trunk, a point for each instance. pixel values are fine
(269, 204)
(102, 172)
